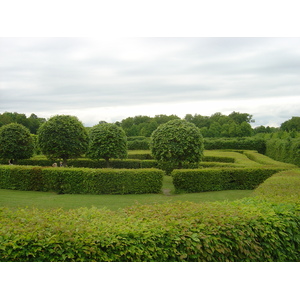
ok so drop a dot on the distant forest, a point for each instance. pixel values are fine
(235, 124)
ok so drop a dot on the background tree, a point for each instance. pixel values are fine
(32, 123)
(292, 124)
(107, 141)
(63, 137)
(177, 141)
(15, 142)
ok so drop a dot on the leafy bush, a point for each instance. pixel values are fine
(81, 180)
(202, 180)
(239, 231)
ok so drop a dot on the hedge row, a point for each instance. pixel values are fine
(285, 150)
(203, 180)
(127, 163)
(88, 163)
(81, 180)
(240, 231)
(248, 143)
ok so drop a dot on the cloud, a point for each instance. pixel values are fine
(88, 76)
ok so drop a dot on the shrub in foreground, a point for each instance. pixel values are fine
(240, 231)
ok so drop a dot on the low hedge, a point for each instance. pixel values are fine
(218, 179)
(240, 231)
(81, 180)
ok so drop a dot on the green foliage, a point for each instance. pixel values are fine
(291, 125)
(81, 180)
(107, 141)
(138, 143)
(177, 142)
(202, 180)
(32, 123)
(63, 137)
(240, 231)
(15, 142)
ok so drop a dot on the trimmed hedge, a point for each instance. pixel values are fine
(81, 180)
(247, 143)
(203, 180)
(240, 231)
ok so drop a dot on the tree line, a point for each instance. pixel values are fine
(236, 124)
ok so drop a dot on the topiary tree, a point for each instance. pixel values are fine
(15, 142)
(63, 137)
(107, 141)
(176, 142)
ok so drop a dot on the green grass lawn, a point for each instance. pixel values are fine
(21, 199)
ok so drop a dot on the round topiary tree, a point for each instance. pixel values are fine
(176, 142)
(15, 142)
(63, 137)
(107, 141)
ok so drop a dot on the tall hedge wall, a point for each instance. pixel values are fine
(286, 150)
(81, 180)
(218, 179)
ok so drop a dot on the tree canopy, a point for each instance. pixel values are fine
(63, 137)
(177, 141)
(107, 141)
(15, 142)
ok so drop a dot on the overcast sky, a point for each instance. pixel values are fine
(112, 79)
